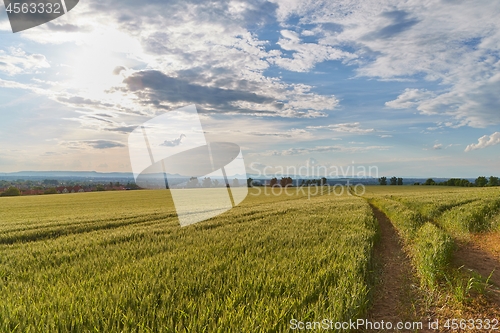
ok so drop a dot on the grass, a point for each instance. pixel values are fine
(430, 220)
(429, 247)
(119, 262)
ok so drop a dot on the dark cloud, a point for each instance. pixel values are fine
(50, 153)
(118, 70)
(96, 144)
(100, 119)
(103, 144)
(401, 22)
(82, 101)
(64, 27)
(260, 14)
(122, 129)
(156, 88)
(132, 14)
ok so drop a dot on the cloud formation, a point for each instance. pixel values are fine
(95, 144)
(17, 61)
(485, 141)
(354, 128)
(321, 149)
(453, 44)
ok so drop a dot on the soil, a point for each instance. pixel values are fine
(482, 255)
(395, 292)
(396, 297)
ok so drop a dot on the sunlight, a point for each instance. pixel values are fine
(92, 67)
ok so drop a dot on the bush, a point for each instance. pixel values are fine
(11, 192)
(50, 191)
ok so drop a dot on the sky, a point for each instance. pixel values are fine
(408, 88)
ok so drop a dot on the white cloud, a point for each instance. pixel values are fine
(437, 146)
(305, 55)
(455, 44)
(345, 128)
(485, 141)
(208, 48)
(409, 98)
(16, 61)
(320, 149)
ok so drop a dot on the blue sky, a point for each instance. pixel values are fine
(410, 87)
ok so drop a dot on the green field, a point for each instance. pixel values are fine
(120, 262)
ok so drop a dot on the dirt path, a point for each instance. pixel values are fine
(395, 294)
(482, 254)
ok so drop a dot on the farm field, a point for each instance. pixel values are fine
(452, 239)
(120, 262)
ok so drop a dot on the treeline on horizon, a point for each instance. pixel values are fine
(22, 187)
(47, 186)
(479, 182)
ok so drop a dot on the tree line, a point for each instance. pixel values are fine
(393, 181)
(478, 182)
(288, 181)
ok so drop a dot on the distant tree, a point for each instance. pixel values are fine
(100, 188)
(11, 192)
(236, 182)
(249, 182)
(382, 180)
(117, 184)
(481, 181)
(462, 182)
(400, 181)
(132, 186)
(417, 183)
(303, 182)
(430, 181)
(286, 181)
(456, 182)
(216, 183)
(493, 181)
(51, 190)
(323, 181)
(193, 182)
(273, 182)
(394, 181)
(283, 182)
(50, 182)
(207, 182)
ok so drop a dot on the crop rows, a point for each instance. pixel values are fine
(428, 221)
(110, 262)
